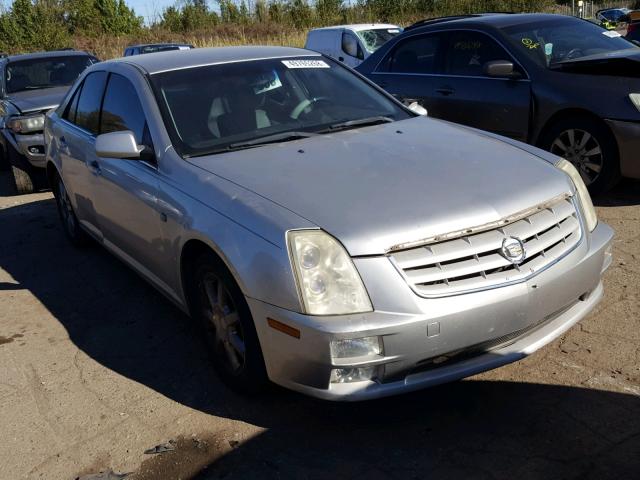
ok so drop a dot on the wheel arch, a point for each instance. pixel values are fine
(190, 251)
(569, 113)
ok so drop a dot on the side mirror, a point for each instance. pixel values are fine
(415, 107)
(500, 68)
(350, 45)
(118, 145)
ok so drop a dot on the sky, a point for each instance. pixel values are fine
(149, 9)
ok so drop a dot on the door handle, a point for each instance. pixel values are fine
(63, 141)
(94, 166)
(445, 91)
(341, 59)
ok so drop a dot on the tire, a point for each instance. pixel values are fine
(24, 178)
(221, 310)
(70, 224)
(574, 138)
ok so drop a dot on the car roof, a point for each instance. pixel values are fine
(176, 60)
(357, 27)
(499, 20)
(169, 44)
(52, 53)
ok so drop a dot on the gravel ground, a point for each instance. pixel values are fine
(96, 367)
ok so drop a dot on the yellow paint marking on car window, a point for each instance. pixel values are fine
(530, 44)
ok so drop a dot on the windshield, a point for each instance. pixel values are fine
(613, 15)
(45, 72)
(207, 109)
(375, 38)
(560, 40)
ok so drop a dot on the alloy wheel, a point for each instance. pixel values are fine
(583, 150)
(223, 322)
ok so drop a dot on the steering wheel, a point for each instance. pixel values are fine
(306, 103)
(574, 53)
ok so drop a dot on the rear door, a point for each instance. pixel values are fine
(74, 138)
(464, 94)
(410, 70)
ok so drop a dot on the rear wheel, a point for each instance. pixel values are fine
(590, 147)
(72, 229)
(229, 332)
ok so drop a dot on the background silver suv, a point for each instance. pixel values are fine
(325, 236)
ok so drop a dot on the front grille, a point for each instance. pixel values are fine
(470, 262)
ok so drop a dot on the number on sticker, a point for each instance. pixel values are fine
(305, 64)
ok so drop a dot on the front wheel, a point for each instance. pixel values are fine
(24, 174)
(590, 147)
(229, 332)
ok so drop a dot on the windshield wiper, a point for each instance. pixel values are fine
(257, 142)
(275, 138)
(362, 122)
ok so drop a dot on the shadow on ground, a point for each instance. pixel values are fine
(469, 429)
(627, 192)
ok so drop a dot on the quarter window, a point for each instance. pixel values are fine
(88, 109)
(121, 109)
(418, 54)
(468, 51)
(70, 111)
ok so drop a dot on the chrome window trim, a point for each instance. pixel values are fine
(526, 278)
(453, 30)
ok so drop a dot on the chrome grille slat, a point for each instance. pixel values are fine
(474, 262)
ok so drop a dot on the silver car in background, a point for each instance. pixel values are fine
(324, 236)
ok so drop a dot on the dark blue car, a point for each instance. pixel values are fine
(561, 83)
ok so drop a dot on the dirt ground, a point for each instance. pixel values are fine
(96, 367)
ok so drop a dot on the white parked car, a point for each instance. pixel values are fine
(351, 44)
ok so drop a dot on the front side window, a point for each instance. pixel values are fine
(121, 109)
(375, 38)
(468, 51)
(46, 72)
(418, 54)
(215, 107)
(88, 109)
(555, 41)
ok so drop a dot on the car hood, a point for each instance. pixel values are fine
(37, 100)
(623, 63)
(387, 185)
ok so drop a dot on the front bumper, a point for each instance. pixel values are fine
(31, 146)
(628, 138)
(485, 329)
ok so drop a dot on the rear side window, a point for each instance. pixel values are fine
(88, 109)
(70, 112)
(467, 52)
(121, 109)
(419, 54)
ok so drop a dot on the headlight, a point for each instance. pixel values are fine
(635, 99)
(590, 217)
(327, 279)
(27, 124)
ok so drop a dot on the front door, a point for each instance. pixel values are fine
(464, 94)
(126, 190)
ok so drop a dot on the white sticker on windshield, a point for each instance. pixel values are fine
(305, 64)
(611, 34)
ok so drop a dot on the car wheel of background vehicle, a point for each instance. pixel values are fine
(23, 172)
(72, 229)
(229, 332)
(590, 147)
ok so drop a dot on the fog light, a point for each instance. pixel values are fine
(350, 375)
(356, 347)
(36, 149)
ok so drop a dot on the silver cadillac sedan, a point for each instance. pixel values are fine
(324, 236)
